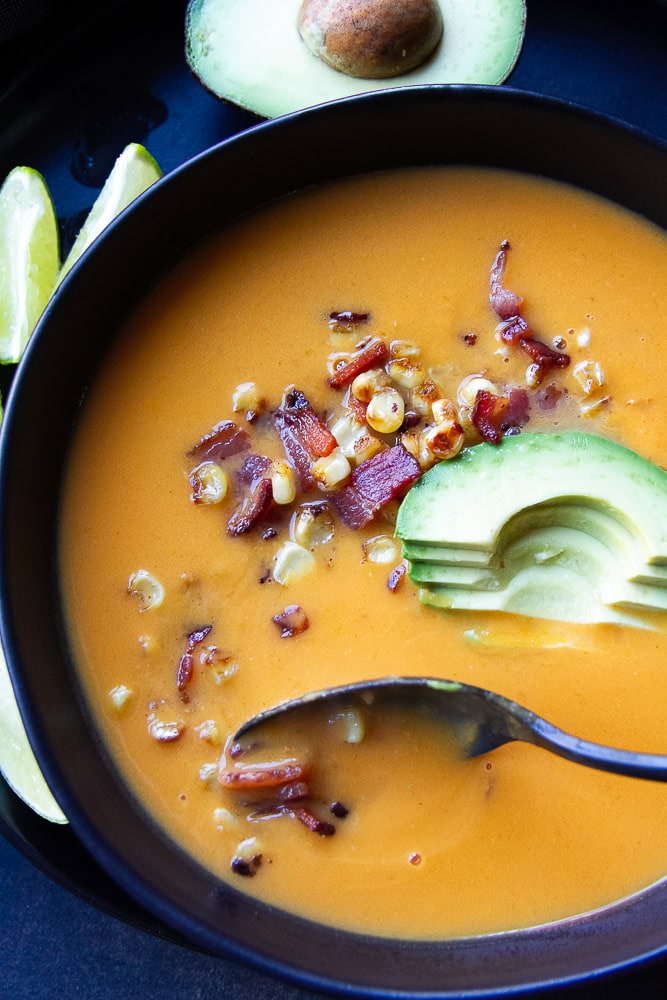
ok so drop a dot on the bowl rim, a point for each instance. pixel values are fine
(68, 306)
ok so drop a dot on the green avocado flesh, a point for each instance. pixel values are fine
(566, 526)
(249, 52)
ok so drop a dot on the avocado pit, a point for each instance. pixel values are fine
(371, 39)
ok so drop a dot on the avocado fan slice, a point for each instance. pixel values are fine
(564, 526)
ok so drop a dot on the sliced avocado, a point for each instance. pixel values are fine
(250, 52)
(566, 526)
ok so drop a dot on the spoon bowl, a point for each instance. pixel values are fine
(479, 720)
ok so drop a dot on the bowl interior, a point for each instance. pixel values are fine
(463, 125)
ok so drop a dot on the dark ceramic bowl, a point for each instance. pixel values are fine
(489, 126)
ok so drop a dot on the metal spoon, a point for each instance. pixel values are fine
(481, 721)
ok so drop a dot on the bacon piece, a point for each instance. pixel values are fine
(313, 822)
(518, 409)
(374, 483)
(505, 303)
(375, 354)
(358, 408)
(253, 509)
(512, 329)
(397, 575)
(186, 664)
(543, 356)
(292, 621)
(253, 469)
(488, 414)
(262, 776)
(548, 397)
(345, 320)
(304, 436)
(224, 440)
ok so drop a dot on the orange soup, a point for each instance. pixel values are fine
(197, 596)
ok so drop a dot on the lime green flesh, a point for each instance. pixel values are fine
(249, 52)
(29, 258)
(570, 527)
(17, 761)
(133, 172)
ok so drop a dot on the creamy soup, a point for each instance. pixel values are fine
(182, 630)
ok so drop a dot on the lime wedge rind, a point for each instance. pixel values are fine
(134, 172)
(18, 764)
(29, 257)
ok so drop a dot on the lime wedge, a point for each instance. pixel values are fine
(17, 761)
(133, 172)
(29, 257)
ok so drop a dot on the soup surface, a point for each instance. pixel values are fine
(396, 835)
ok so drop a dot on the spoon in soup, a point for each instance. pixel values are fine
(479, 720)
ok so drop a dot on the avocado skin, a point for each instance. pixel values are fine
(569, 526)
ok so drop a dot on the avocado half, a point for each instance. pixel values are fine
(249, 52)
(565, 526)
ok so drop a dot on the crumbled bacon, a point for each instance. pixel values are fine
(292, 621)
(224, 440)
(396, 576)
(518, 409)
(549, 396)
(345, 320)
(252, 509)
(258, 776)
(185, 670)
(505, 303)
(375, 354)
(313, 822)
(380, 479)
(488, 414)
(253, 468)
(511, 330)
(246, 866)
(304, 436)
(542, 355)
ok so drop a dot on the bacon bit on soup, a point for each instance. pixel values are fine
(304, 436)
(511, 330)
(397, 575)
(223, 441)
(376, 353)
(186, 663)
(505, 303)
(346, 321)
(252, 509)
(549, 396)
(258, 776)
(542, 355)
(374, 483)
(292, 621)
(254, 467)
(246, 866)
(488, 414)
(313, 822)
(339, 810)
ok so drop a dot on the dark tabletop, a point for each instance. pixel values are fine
(77, 82)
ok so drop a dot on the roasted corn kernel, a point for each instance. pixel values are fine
(147, 588)
(382, 549)
(209, 483)
(422, 397)
(386, 411)
(292, 561)
(368, 383)
(247, 399)
(283, 482)
(330, 471)
(589, 375)
(405, 373)
(404, 349)
(120, 695)
(312, 525)
(467, 391)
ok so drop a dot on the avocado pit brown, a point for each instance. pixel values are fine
(371, 39)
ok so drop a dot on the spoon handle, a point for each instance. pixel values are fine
(652, 766)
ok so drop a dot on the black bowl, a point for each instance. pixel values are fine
(472, 125)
